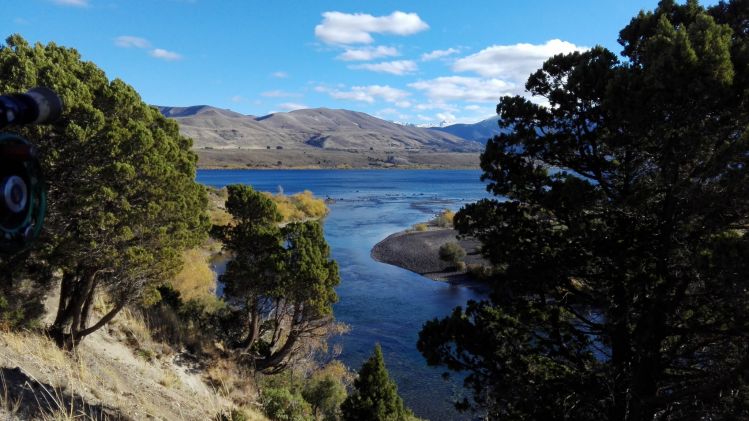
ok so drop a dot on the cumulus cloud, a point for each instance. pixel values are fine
(436, 54)
(291, 106)
(129, 41)
(461, 88)
(370, 94)
(513, 62)
(399, 67)
(280, 75)
(357, 28)
(368, 53)
(163, 54)
(74, 3)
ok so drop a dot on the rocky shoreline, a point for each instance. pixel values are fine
(418, 251)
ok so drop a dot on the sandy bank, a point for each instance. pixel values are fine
(418, 251)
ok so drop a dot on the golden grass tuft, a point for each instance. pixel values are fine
(445, 219)
(196, 280)
(299, 207)
(420, 227)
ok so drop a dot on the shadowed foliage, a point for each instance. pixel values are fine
(620, 254)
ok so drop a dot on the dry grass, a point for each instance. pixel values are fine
(444, 219)
(196, 279)
(299, 207)
(420, 227)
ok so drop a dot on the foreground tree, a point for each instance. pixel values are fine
(621, 282)
(375, 396)
(122, 195)
(280, 280)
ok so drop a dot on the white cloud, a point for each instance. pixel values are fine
(434, 55)
(75, 3)
(370, 94)
(472, 107)
(280, 94)
(513, 62)
(291, 106)
(167, 55)
(280, 75)
(368, 53)
(451, 88)
(447, 118)
(399, 67)
(436, 105)
(357, 28)
(237, 99)
(129, 41)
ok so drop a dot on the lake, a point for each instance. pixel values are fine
(381, 303)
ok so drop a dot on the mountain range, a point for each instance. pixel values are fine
(321, 129)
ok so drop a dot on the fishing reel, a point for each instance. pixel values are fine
(23, 193)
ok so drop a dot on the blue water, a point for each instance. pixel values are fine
(381, 303)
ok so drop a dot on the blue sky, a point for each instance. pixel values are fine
(418, 62)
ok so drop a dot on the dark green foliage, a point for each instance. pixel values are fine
(375, 396)
(620, 278)
(452, 252)
(280, 281)
(123, 201)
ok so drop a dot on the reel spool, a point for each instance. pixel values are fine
(23, 194)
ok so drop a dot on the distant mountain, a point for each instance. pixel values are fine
(319, 128)
(477, 132)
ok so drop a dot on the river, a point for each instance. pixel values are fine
(381, 303)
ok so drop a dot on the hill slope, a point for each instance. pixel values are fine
(319, 128)
(477, 132)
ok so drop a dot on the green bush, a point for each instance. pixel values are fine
(283, 405)
(452, 252)
(326, 394)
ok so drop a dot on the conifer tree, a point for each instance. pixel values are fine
(375, 397)
(123, 201)
(621, 285)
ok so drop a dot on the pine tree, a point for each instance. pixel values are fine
(620, 243)
(280, 280)
(123, 201)
(376, 396)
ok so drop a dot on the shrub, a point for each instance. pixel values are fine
(445, 219)
(283, 405)
(232, 415)
(421, 227)
(452, 252)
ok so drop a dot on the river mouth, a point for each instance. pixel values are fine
(382, 303)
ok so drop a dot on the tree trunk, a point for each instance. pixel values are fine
(77, 293)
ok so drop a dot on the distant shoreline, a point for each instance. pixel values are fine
(214, 168)
(257, 159)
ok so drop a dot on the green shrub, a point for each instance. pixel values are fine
(283, 405)
(452, 252)
(325, 394)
